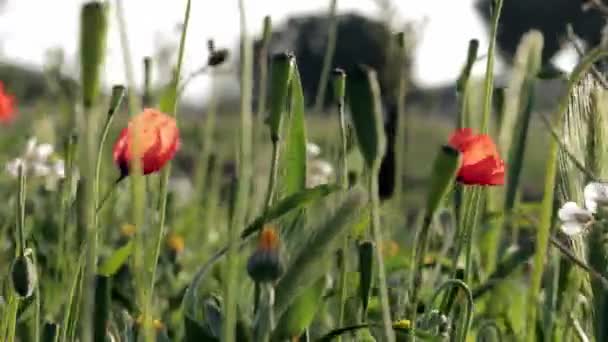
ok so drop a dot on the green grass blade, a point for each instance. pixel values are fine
(293, 157)
(115, 262)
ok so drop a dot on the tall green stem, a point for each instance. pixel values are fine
(329, 56)
(243, 188)
(489, 80)
(164, 189)
(339, 90)
(389, 334)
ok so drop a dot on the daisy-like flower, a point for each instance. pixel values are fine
(574, 218)
(37, 160)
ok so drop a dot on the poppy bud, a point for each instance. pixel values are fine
(158, 140)
(93, 33)
(23, 276)
(339, 84)
(264, 265)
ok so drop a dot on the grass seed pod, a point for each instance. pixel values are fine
(23, 276)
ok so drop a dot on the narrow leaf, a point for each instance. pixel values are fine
(113, 264)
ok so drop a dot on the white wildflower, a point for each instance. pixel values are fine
(596, 195)
(312, 150)
(319, 173)
(59, 169)
(574, 218)
(37, 160)
(12, 167)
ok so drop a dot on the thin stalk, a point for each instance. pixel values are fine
(136, 176)
(489, 80)
(164, 189)
(267, 203)
(389, 334)
(344, 185)
(37, 306)
(207, 130)
(21, 212)
(329, 55)
(12, 317)
(243, 187)
(71, 295)
(117, 94)
(66, 194)
(272, 180)
(402, 128)
(470, 230)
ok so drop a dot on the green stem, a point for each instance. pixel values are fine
(328, 57)
(164, 189)
(489, 80)
(12, 317)
(21, 212)
(344, 185)
(389, 334)
(469, 231)
(243, 187)
(273, 174)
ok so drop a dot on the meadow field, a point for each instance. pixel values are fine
(129, 217)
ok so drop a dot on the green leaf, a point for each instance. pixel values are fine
(287, 204)
(292, 164)
(301, 312)
(366, 111)
(308, 266)
(120, 256)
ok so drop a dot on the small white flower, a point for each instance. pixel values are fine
(319, 172)
(59, 169)
(37, 161)
(40, 169)
(12, 167)
(321, 167)
(30, 146)
(43, 152)
(574, 218)
(596, 194)
(312, 150)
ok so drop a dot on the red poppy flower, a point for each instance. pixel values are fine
(7, 106)
(158, 140)
(481, 164)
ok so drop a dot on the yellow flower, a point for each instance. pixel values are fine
(156, 324)
(402, 324)
(175, 243)
(127, 230)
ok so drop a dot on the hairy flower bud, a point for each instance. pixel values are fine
(264, 265)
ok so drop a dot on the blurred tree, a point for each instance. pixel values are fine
(360, 40)
(549, 17)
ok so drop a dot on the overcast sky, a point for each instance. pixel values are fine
(29, 27)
